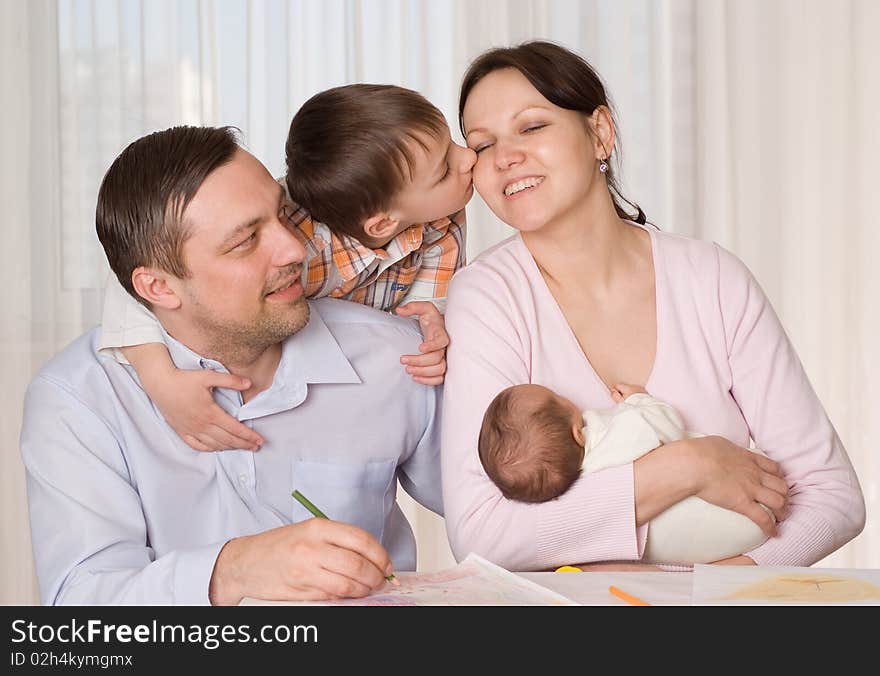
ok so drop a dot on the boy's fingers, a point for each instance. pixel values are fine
(236, 428)
(427, 359)
(433, 343)
(438, 380)
(227, 381)
(427, 371)
(418, 307)
(228, 440)
(209, 442)
(194, 443)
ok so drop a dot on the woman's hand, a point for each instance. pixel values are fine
(733, 477)
(741, 560)
(618, 567)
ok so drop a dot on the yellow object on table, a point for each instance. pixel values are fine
(568, 569)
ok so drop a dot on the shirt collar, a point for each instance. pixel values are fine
(352, 257)
(311, 356)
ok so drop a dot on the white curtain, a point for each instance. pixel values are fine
(745, 121)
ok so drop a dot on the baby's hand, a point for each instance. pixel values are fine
(429, 367)
(621, 391)
(185, 399)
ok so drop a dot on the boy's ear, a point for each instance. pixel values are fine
(381, 226)
(152, 285)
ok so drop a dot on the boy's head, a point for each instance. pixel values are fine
(371, 160)
(532, 443)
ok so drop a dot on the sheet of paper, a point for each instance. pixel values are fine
(779, 585)
(591, 588)
(473, 582)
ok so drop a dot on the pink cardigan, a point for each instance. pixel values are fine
(723, 360)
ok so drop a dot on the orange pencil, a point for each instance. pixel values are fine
(629, 598)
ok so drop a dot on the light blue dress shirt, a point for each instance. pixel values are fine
(123, 511)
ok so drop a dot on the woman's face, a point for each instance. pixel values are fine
(536, 162)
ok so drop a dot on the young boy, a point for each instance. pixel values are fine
(534, 444)
(377, 192)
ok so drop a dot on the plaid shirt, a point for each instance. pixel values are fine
(416, 265)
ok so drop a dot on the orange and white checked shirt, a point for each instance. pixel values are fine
(416, 265)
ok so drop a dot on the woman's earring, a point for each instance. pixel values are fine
(603, 165)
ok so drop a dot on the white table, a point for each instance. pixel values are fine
(591, 588)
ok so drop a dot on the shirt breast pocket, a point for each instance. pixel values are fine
(359, 494)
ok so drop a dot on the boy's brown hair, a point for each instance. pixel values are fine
(349, 151)
(532, 456)
(139, 217)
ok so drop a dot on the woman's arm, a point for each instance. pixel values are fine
(598, 518)
(595, 520)
(786, 420)
(714, 469)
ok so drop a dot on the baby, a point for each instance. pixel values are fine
(534, 444)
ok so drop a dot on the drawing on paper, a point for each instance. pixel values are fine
(473, 582)
(808, 588)
(736, 585)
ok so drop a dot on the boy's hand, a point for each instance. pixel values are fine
(185, 399)
(429, 367)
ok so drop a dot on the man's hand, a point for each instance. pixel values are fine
(429, 367)
(313, 560)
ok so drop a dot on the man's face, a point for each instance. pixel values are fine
(244, 289)
(441, 180)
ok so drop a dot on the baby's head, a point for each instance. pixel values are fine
(372, 160)
(532, 443)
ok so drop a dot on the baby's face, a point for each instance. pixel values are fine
(533, 397)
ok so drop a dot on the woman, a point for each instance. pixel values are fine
(586, 296)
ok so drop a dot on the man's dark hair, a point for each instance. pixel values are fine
(349, 151)
(145, 191)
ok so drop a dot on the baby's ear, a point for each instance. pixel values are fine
(577, 431)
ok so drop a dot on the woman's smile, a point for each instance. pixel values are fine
(521, 186)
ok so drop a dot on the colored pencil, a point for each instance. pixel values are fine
(629, 598)
(305, 502)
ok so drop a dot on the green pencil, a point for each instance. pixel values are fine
(305, 502)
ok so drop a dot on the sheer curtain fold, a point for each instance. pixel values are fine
(748, 122)
(787, 162)
(37, 312)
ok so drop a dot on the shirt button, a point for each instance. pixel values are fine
(243, 479)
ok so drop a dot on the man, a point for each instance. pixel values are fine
(122, 510)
